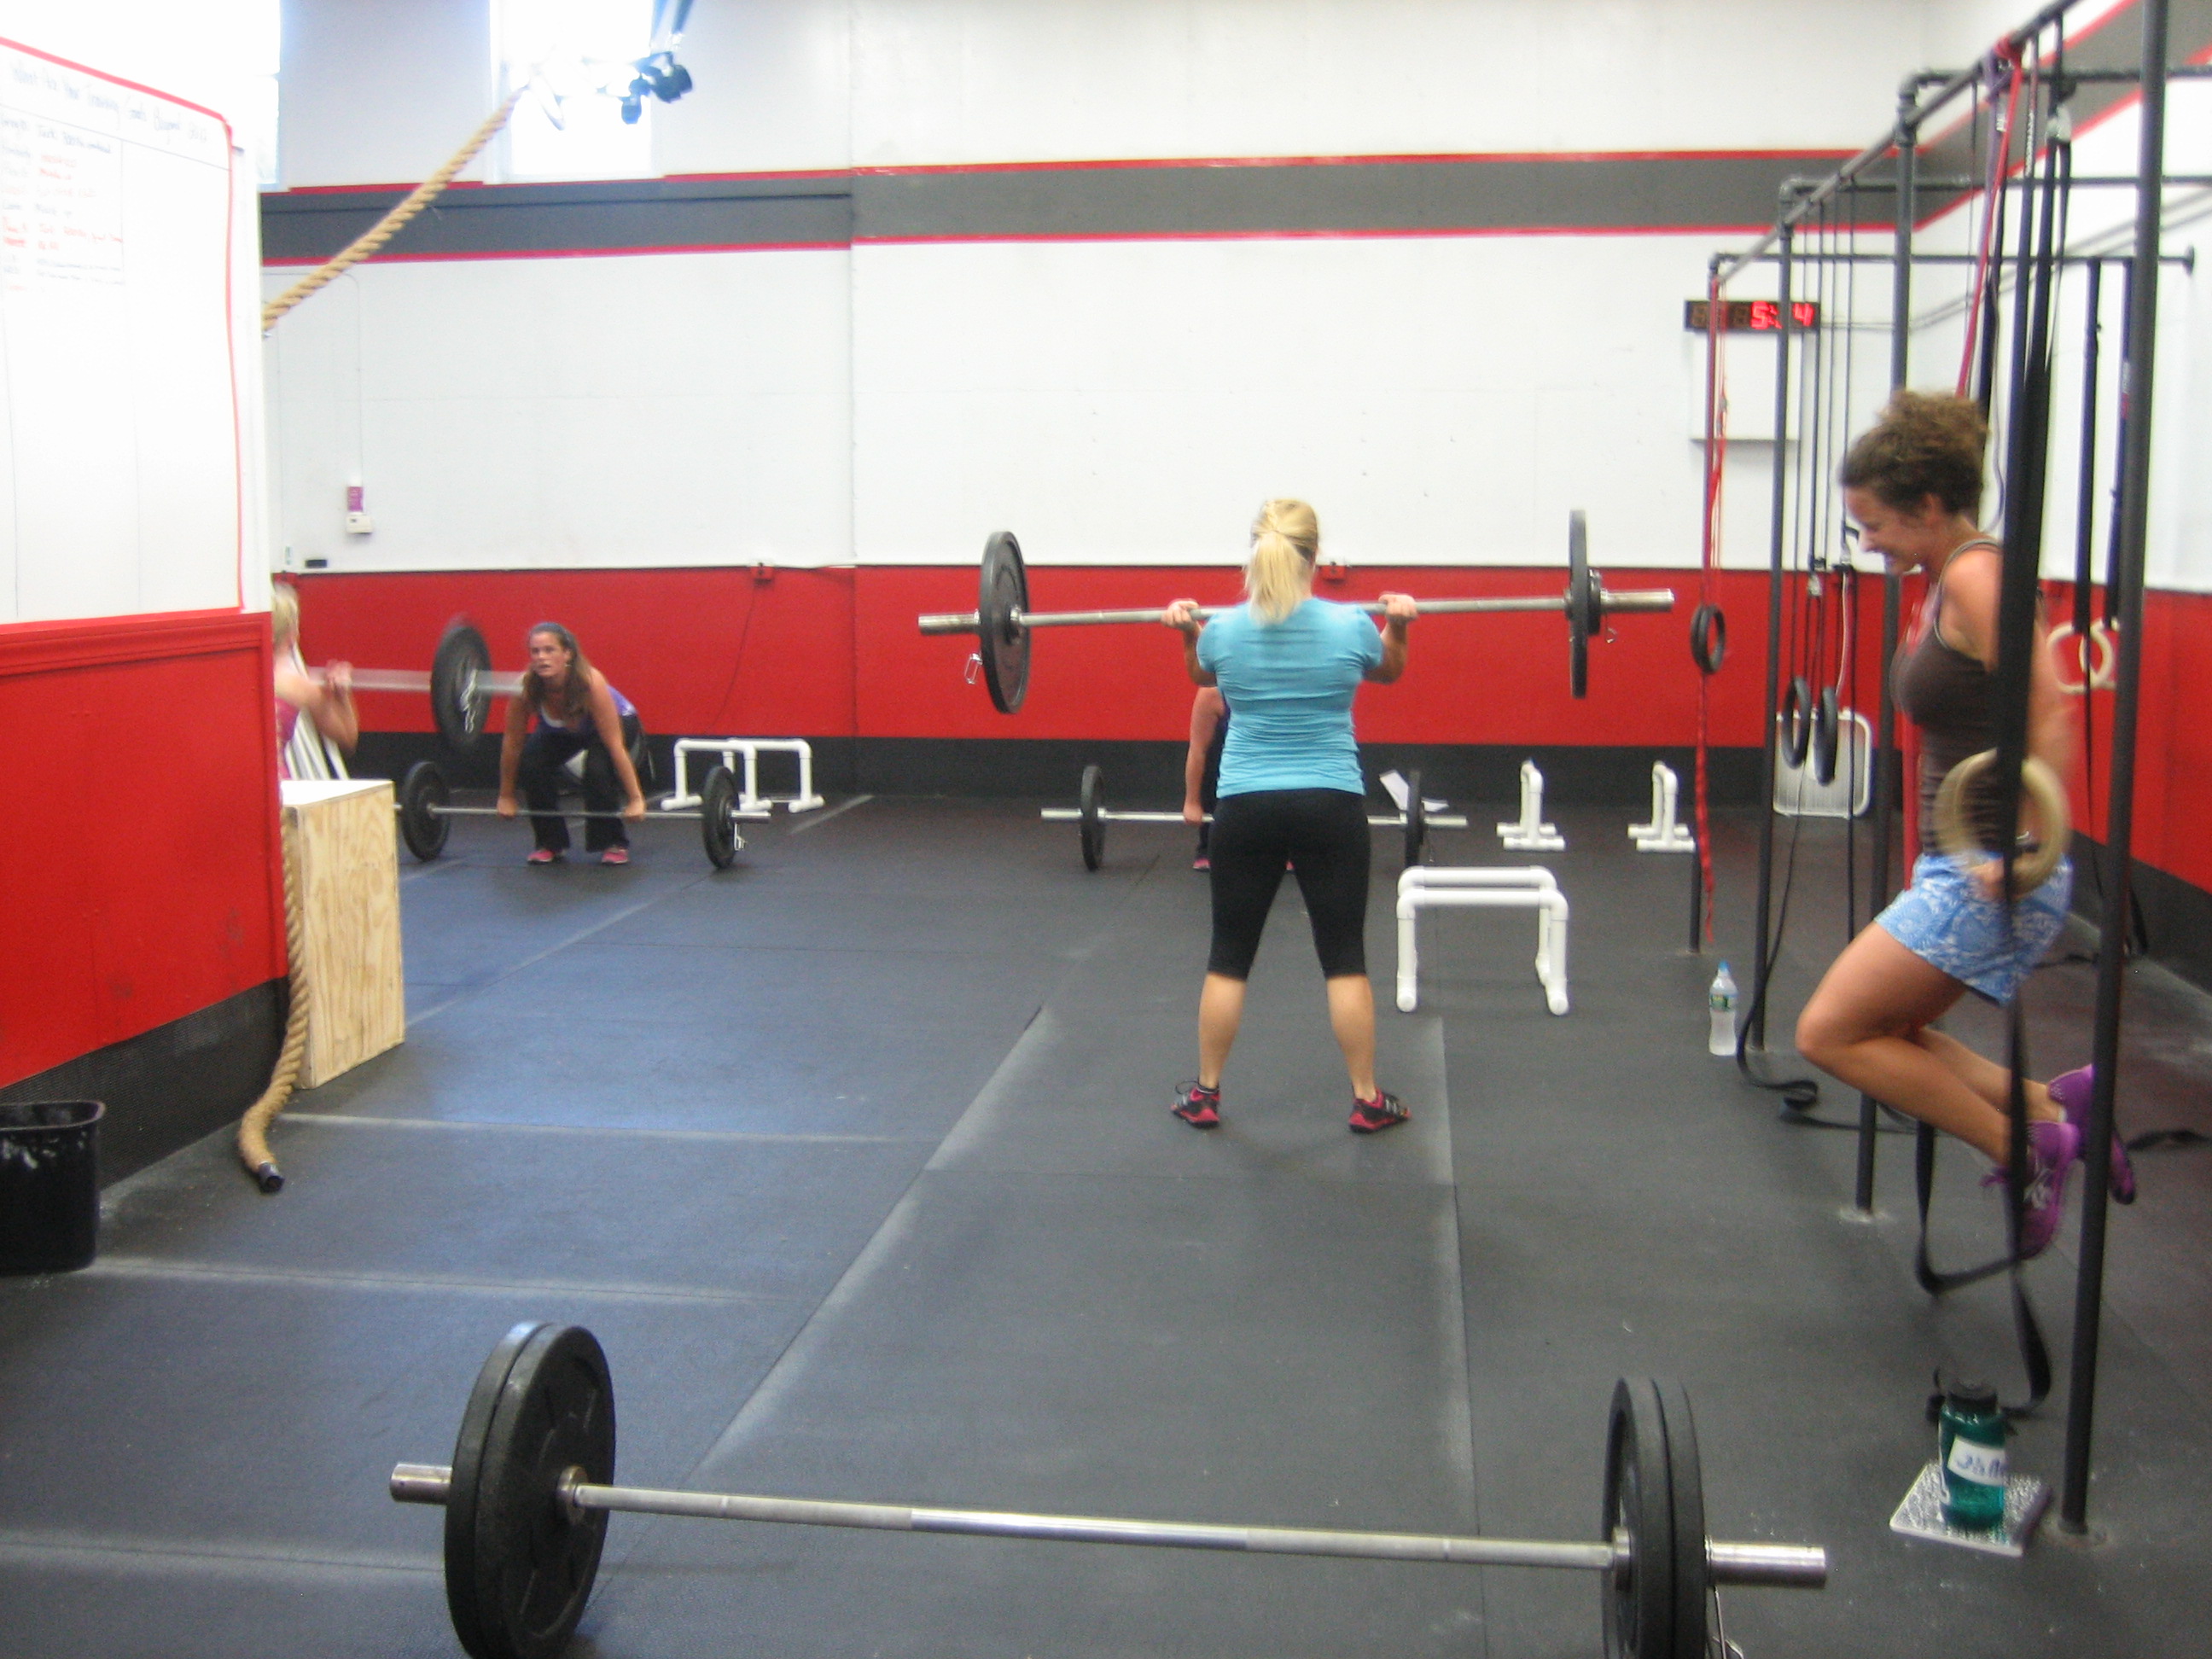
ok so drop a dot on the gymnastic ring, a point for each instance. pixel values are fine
(2104, 636)
(2045, 794)
(2092, 655)
(1797, 720)
(1708, 638)
(1827, 719)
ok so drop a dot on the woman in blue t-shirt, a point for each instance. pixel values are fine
(1290, 793)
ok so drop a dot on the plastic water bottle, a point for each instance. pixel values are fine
(1970, 1440)
(1721, 1001)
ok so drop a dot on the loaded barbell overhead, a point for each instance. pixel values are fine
(1093, 815)
(424, 806)
(530, 1485)
(1002, 620)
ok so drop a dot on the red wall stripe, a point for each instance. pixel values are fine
(835, 652)
(148, 885)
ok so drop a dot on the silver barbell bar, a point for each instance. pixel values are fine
(1790, 1565)
(417, 681)
(967, 622)
(1108, 815)
(523, 811)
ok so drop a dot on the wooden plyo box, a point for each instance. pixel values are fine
(349, 907)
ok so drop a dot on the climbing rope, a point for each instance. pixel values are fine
(253, 1128)
(385, 229)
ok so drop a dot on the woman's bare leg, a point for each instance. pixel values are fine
(1985, 1077)
(1351, 1017)
(1220, 1013)
(1864, 1026)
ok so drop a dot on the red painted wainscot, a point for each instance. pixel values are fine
(144, 877)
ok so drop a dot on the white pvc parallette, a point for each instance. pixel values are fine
(1530, 887)
(1530, 833)
(732, 752)
(1663, 833)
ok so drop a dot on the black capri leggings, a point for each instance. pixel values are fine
(1323, 833)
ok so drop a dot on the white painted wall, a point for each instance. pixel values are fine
(672, 410)
(1443, 399)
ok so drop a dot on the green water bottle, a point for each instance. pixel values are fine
(1970, 1443)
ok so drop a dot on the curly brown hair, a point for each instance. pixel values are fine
(1924, 443)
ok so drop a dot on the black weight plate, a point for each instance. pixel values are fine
(1417, 820)
(464, 1483)
(1094, 826)
(718, 830)
(1709, 638)
(1585, 608)
(420, 827)
(1686, 1487)
(458, 669)
(1639, 1596)
(1002, 641)
(1797, 720)
(1827, 717)
(531, 1562)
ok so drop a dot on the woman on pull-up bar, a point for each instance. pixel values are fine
(1913, 485)
(1290, 793)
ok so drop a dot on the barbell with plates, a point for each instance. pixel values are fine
(1093, 815)
(461, 684)
(531, 1487)
(1002, 620)
(2040, 852)
(424, 806)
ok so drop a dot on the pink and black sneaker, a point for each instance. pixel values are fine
(2072, 1091)
(1385, 1111)
(1198, 1105)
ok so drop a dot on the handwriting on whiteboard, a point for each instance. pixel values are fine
(64, 140)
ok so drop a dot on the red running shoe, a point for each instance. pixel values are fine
(1197, 1105)
(542, 855)
(1385, 1111)
(615, 856)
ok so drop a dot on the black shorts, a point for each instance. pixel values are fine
(1323, 833)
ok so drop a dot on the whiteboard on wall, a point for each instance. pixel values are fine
(119, 451)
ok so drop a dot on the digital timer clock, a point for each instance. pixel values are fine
(1750, 316)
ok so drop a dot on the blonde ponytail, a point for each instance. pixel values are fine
(1286, 542)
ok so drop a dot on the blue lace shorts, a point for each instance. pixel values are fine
(1943, 918)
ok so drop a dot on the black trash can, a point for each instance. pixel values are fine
(49, 1185)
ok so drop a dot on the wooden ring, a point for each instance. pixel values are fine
(2045, 794)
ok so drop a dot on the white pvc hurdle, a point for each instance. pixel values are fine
(1534, 887)
(1663, 833)
(733, 750)
(1531, 834)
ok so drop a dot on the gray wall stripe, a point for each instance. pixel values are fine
(1384, 197)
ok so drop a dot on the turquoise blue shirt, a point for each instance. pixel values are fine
(1291, 687)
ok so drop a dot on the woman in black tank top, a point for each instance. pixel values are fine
(1913, 485)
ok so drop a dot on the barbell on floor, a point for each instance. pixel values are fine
(424, 806)
(1002, 620)
(1093, 815)
(530, 1488)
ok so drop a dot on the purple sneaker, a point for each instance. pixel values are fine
(2051, 1149)
(2072, 1093)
